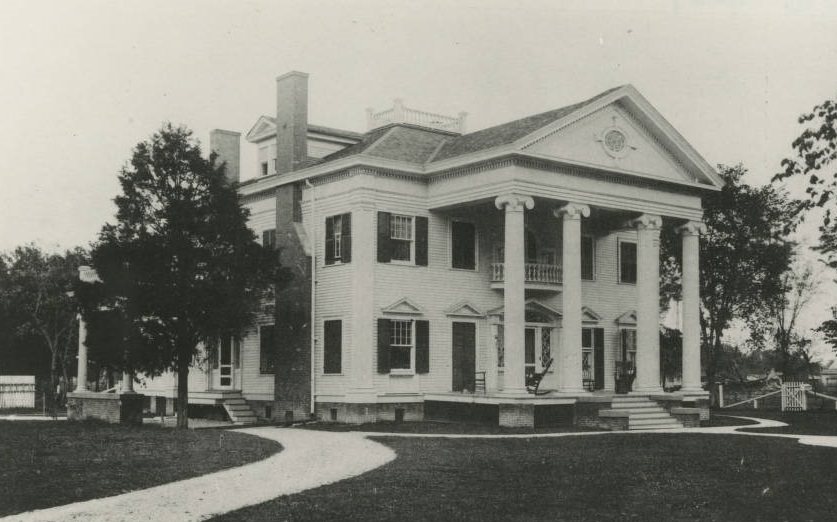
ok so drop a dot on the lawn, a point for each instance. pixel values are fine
(602, 477)
(44, 464)
(813, 422)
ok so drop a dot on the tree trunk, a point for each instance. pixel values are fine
(182, 391)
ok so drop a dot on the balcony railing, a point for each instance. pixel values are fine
(533, 273)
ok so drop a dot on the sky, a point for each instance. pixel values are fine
(84, 81)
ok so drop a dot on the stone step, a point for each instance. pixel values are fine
(651, 415)
(652, 422)
(661, 426)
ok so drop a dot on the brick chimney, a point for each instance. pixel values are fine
(227, 145)
(291, 121)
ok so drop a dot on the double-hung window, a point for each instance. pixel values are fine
(338, 248)
(401, 236)
(402, 239)
(401, 345)
(587, 355)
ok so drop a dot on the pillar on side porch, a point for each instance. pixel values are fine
(514, 290)
(690, 237)
(648, 304)
(569, 349)
(81, 379)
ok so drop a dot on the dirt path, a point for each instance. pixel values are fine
(309, 459)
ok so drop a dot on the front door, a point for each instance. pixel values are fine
(464, 356)
(225, 368)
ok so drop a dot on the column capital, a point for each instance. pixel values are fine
(514, 202)
(572, 211)
(692, 228)
(647, 222)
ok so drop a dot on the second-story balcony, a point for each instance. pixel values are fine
(538, 276)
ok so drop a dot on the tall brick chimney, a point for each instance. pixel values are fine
(227, 145)
(291, 121)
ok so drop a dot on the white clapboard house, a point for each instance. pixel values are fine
(451, 267)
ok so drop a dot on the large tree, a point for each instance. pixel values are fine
(776, 325)
(40, 306)
(180, 265)
(743, 255)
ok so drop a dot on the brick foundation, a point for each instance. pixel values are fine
(113, 408)
(517, 415)
(587, 415)
(688, 417)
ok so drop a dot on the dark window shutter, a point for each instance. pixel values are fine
(421, 241)
(237, 353)
(329, 241)
(422, 346)
(346, 238)
(333, 346)
(213, 354)
(384, 247)
(587, 257)
(463, 245)
(598, 357)
(383, 345)
(627, 261)
(266, 349)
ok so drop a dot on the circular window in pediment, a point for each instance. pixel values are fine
(614, 142)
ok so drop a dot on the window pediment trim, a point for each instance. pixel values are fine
(627, 319)
(403, 306)
(464, 309)
(589, 316)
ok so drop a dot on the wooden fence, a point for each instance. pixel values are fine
(17, 391)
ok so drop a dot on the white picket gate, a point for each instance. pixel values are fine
(794, 397)
(17, 391)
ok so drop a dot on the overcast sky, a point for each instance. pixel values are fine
(84, 81)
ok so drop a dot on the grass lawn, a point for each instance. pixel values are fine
(812, 422)
(44, 464)
(602, 477)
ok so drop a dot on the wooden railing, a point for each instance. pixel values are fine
(401, 114)
(533, 273)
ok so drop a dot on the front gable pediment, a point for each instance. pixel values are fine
(622, 132)
(403, 306)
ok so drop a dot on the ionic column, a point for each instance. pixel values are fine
(81, 385)
(514, 294)
(569, 349)
(690, 236)
(648, 304)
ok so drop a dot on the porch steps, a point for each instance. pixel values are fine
(238, 410)
(643, 413)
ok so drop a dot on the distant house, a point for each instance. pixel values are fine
(451, 267)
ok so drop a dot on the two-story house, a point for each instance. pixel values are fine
(451, 268)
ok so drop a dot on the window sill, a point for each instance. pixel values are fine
(331, 374)
(402, 263)
(472, 270)
(402, 373)
(625, 283)
(336, 263)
